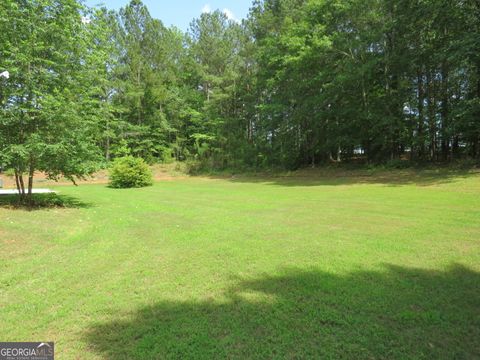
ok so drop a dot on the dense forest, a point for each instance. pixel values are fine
(297, 83)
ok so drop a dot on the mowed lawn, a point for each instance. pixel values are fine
(379, 267)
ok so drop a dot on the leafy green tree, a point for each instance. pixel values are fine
(147, 75)
(48, 120)
(298, 83)
(217, 46)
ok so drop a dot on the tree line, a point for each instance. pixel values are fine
(297, 83)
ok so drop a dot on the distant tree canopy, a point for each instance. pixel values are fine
(298, 83)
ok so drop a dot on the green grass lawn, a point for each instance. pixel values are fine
(380, 267)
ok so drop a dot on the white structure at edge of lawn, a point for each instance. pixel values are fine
(34, 191)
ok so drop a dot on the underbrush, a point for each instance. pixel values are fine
(193, 167)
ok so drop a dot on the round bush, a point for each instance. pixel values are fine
(130, 172)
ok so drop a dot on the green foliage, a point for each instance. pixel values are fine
(9, 172)
(397, 164)
(121, 149)
(298, 83)
(49, 104)
(130, 172)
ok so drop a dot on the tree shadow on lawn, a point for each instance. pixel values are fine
(397, 313)
(42, 201)
(332, 177)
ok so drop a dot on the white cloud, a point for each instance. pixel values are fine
(86, 20)
(230, 15)
(207, 9)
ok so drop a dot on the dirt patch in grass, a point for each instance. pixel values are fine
(160, 173)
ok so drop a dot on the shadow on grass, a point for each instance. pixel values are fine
(399, 313)
(333, 176)
(42, 201)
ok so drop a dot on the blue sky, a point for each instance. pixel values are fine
(181, 12)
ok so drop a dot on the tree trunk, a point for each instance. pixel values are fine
(107, 149)
(421, 119)
(444, 114)
(107, 141)
(20, 185)
(455, 146)
(31, 172)
(478, 113)
(17, 182)
(431, 117)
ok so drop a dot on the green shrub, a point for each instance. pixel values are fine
(130, 172)
(9, 172)
(398, 164)
(465, 163)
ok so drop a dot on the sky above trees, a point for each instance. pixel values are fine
(180, 13)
